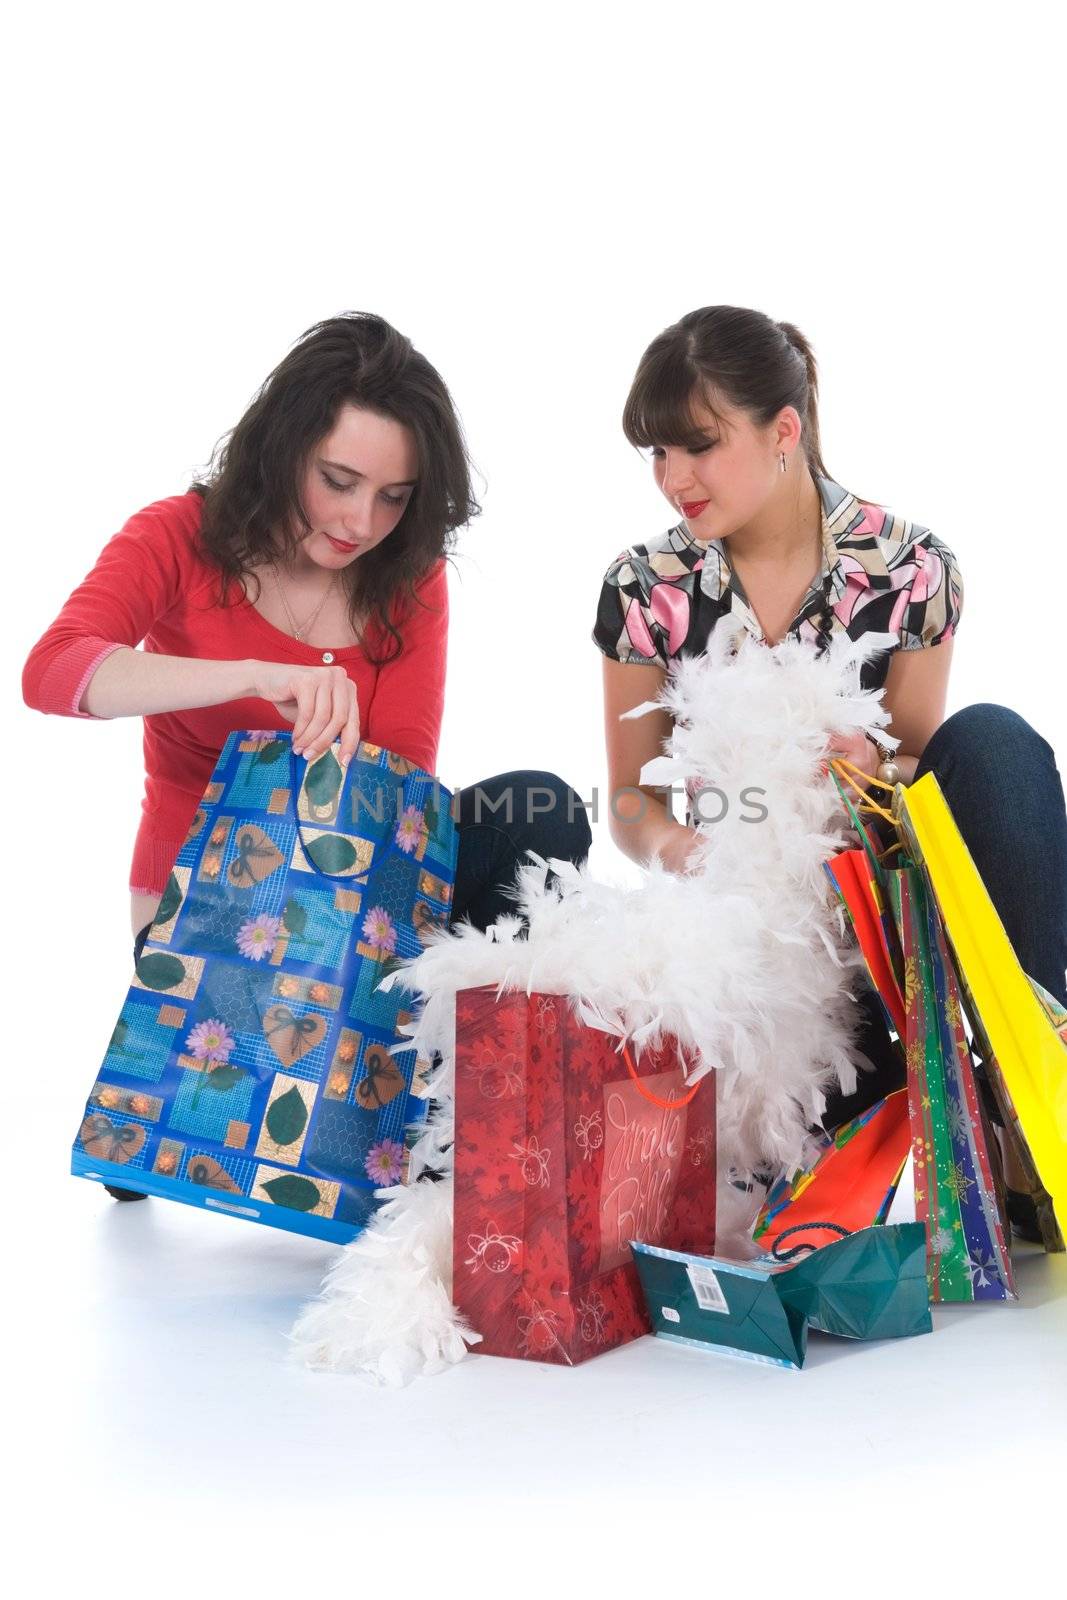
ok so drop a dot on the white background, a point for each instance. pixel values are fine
(531, 193)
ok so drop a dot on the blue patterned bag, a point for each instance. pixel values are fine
(250, 1070)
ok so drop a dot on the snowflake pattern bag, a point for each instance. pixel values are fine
(562, 1158)
(1016, 1024)
(967, 1254)
(250, 1069)
(900, 929)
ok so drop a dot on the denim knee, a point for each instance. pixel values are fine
(556, 811)
(537, 811)
(984, 734)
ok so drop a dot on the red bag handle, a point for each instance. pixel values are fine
(654, 1099)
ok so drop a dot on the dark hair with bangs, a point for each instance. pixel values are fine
(740, 356)
(251, 494)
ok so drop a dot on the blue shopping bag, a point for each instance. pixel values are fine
(250, 1070)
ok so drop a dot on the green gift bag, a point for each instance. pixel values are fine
(868, 1285)
(967, 1254)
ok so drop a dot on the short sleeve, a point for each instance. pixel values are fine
(935, 599)
(623, 628)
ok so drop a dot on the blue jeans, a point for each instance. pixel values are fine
(498, 820)
(1003, 788)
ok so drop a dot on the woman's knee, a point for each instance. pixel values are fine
(535, 806)
(576, 832)
(981, 734)
(555, 814)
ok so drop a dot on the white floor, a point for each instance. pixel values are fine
(154, 1419)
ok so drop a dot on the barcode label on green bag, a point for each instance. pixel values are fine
(705, 1285)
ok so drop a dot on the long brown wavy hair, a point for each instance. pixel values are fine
(251, 490)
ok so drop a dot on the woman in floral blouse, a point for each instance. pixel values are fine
(724, 405)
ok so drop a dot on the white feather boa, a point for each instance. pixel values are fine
(745, 960)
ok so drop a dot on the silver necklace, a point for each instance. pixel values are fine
(299, 630)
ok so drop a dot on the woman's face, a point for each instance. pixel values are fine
(357, 483)
(721, 483)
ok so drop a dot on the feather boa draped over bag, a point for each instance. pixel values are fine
(744, 959)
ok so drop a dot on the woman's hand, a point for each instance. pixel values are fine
(679, 849)
(854, 747)
(320, 702)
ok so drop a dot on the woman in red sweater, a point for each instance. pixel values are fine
(302, 584)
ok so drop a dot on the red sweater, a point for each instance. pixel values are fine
(153, 583)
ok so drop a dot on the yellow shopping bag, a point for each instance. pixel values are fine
(1020, 1029)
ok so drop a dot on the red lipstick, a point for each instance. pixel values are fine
(693, 508)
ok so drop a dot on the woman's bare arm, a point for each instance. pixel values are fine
(640, 822)
(915, 695)
(320, 702)
(140, 683)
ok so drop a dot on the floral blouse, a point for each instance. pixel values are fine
(879, 574)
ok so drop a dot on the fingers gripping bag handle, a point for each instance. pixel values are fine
(330, 781)
(423, 828)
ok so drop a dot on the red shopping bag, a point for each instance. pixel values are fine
(863, 894)
(851, 1185)
(565, 1151)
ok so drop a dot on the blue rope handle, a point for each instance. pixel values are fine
(799, 1249)
(294, 806)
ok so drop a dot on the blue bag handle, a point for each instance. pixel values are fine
(294, 807)
(295, 783)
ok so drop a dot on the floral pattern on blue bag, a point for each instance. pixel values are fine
(256, 1067)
